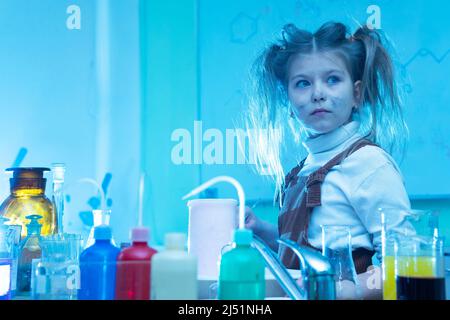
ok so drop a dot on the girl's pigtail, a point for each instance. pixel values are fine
(262, 121)
(379, 92)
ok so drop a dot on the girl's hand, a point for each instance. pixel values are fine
(252, 222)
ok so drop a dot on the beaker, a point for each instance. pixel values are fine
(397, 223)
(211, 226)
(61, 247)
(55, 280)
(420, 270)
(56, 276)
(337, 247)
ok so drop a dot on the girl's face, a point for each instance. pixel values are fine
(321, 91)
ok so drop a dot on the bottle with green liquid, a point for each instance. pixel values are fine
(241, 275)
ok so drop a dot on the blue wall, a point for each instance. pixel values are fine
(72, 96)
(232, 32)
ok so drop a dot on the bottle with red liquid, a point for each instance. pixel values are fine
(134, 267)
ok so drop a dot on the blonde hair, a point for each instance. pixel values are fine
(367, 60)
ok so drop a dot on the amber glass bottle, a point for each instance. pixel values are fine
(28, 197)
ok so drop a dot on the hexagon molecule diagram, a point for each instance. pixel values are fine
(243, 28)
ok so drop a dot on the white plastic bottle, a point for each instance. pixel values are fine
(174, 271)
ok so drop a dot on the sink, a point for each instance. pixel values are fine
(273, 289)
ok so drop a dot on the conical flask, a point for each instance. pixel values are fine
(337, 247)
(101, 217)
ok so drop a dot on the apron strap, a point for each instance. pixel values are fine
(314, 182)
(294, 223)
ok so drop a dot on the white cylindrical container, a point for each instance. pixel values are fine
(211, 225)
(174, 271)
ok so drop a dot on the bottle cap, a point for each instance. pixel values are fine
(175, 241)
(30, 172)
(243, 237)
(34, 220)
(102, 232)
(27, 178)
(140, 234)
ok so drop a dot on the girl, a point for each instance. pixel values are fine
(336, 92)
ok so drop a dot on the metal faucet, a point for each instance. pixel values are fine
(316, 271)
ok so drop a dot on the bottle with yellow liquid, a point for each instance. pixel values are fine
(27, 197)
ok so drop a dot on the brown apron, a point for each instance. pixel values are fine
(299, 197)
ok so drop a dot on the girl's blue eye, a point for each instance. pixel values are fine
(302, 84)
(333, 80)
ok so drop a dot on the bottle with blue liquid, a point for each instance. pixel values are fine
(98, 267)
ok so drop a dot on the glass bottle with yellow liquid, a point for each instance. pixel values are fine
(27, 197)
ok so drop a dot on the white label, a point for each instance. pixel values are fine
(5, 279)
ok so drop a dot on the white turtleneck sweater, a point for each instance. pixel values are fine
(353, 191)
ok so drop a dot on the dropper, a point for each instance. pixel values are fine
(141, 199)
(237, 186)
(140, 233)
(58, 170)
